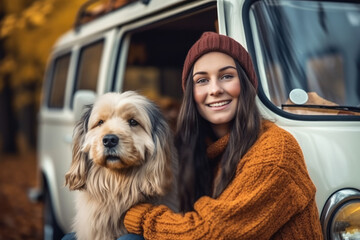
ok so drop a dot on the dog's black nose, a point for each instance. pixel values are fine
(110, 140)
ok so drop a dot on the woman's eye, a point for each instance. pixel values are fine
(133, 122)
(100, 123)
(201, 80)
(227, 76)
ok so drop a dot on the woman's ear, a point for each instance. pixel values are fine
(75, 178)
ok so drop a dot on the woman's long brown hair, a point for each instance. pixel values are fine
(196, 176)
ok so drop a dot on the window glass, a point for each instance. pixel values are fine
(58, 82)
(307, 55)
(89, 65)
(156, 56)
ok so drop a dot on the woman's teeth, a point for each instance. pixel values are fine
(218, 104)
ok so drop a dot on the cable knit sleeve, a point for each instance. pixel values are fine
(270, 187)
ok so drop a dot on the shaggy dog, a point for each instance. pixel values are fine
(122, 155)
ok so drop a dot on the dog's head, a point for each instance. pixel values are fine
(122, 133)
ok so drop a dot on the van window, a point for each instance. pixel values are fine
(156, 56)
(89, 65)
(307, 62)
(58, 81)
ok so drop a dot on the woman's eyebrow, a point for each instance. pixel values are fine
(227, 67)
(200, 73)
(220, 70)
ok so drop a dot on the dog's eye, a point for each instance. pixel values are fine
(99, 123)
(133, 122)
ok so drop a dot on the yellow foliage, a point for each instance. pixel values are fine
(36, 15)
(26, 74)
(8, 24)
(7, 65)
(22, 99)
(28, 37)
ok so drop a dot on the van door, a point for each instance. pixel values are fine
(152, 54)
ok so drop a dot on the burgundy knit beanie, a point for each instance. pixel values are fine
(214, 42)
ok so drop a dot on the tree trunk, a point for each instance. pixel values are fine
(8, 124)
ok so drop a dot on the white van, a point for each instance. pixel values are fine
(307, 58)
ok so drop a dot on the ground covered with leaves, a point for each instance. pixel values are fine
(20, 218)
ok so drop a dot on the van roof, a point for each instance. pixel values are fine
(103, 20)
(93, 9)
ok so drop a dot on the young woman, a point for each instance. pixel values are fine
(241, 177)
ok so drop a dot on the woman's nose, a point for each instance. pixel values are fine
(215, 88)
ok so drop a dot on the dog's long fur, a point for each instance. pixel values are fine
(114, 178)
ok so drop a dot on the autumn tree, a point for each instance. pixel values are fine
(28, 30)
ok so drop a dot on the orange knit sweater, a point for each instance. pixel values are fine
(271, 197)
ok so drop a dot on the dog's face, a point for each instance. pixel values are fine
(119, 131)
(126, 134)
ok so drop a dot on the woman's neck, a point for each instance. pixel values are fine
(221, 130)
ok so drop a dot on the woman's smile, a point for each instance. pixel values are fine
(217, 105)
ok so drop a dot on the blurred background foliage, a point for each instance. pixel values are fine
(28, 30)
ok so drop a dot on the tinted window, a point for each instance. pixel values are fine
(58, 82)
(89, 65)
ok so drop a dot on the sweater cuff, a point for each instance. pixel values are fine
(135, 217)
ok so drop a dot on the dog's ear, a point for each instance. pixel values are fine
(75, 178)
(160, 168)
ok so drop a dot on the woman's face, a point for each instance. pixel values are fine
(216, 89)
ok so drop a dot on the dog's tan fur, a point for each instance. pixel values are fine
(142, 170)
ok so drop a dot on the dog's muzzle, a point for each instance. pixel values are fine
(110, 140)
